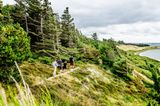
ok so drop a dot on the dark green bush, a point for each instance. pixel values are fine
(45, 60)
(89, 53)
(14, 46)
(6, 72)
(122, 68)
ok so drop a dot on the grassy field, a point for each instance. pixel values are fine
(134, 48)
(89, 85)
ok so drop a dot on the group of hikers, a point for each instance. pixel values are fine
(61, 64)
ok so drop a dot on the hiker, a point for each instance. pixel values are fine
(71, 61)
(55, 65)
(64, 64)
(59, 61)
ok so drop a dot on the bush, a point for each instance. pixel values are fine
(45, 60)
(14, 44)
(123, 69)
(6, 72)
(90, 53)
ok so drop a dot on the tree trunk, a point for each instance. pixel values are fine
(26, 21)
(54, 43)
(41, 28)
(57, 42)
(41, 23)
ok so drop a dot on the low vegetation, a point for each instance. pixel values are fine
(131, 47)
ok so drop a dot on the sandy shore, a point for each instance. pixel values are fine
(135, 48)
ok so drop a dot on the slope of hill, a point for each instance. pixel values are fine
(88, 85)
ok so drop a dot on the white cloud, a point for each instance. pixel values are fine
(128, 20)
(8, 2)
(136, 32)
(106, 12)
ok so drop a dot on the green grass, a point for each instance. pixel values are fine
(89, 85)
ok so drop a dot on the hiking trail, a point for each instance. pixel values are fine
(58, 75)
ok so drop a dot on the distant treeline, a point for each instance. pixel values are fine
(138, 44)
(135, 44)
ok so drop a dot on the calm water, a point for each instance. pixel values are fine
(154, 54)
(154, 44)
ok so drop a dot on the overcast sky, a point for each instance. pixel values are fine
(128, 20)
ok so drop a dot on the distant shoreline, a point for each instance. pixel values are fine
(136, 49)
(149, 48)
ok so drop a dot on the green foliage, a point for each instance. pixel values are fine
(30, 15)
(89, 54)
(6, 12)
(109, 52)
(50, 38)
(67, 37)
(45, 60)
(122, 68)
(156, 79)
(121, 42)
(1, 4)
(94, 36)
(14, 44)
(7, 72)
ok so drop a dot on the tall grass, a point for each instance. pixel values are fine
(24, 97)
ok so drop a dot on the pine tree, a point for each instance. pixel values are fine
(52, 32)
(40, 22)
(20, 14)
(1, 16)
(66, 37)
(50, 28)
(94, 36)
(6, 14)
(29, 14)
(1, 4)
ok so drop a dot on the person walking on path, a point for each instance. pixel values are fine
(64, 64)
(55, 65)
(71, 61)
(59, 61)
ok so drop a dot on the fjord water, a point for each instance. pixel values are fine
(154, 54)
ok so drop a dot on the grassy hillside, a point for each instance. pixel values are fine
(104, 75)
(88, 85)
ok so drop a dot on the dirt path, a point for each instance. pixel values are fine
(62, 74)
(52, 78)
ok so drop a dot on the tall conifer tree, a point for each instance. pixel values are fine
(67, 28)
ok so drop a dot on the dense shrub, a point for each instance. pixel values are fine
(89, 53)
(45, 60)
(122, 68)
(6, 72)
(14, 46)
(109, 53)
